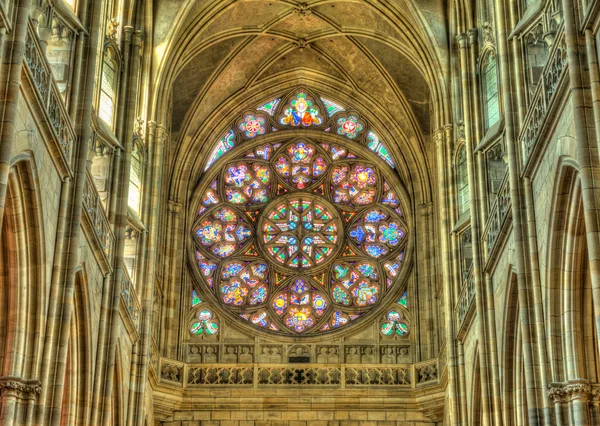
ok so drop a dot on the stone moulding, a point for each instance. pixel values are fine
(560, 392)
(20, 387)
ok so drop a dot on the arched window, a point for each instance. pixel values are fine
(462, 182)
(135, 178)
(490, 91)
(108, 87)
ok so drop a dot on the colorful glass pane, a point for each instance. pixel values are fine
(222, 232)
(332, 107)
(225, 144)
(403, 300)
(205, 324)
(300, 233)
(377, 234)
(355, 283)
(195, 299)
(394, 325)
(253, 125)
(244, 283)
(247, 183)
(301, 165)
(269, 107)
(354, 184)
(301, 112)
(349, 126)
(379, 148)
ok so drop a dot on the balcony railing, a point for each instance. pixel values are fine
(48, 95)
(465, 305)
(544, 97)
(130, 300)
(328, 375)
(498, 214)
(98, 222)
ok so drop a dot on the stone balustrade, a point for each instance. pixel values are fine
(48, 95)
(465, 306)
(330, 375)
(130, 300)
(498, 213)
(543, 99)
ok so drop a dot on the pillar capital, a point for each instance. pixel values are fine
(462, 39)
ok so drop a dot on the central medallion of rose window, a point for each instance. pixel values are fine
(300, 232)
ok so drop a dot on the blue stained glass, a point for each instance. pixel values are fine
(374, 216)
(376, 251)
(403, 300)
(358, 234)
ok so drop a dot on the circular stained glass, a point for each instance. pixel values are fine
(301, 237)
(300, 232)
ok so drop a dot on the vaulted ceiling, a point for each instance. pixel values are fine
(383, 53)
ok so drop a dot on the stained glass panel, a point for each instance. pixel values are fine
(225, 144)
(269, 107)
(379, 148)
(332, 107)
(301, 112)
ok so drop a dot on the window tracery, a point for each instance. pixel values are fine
(300, 237)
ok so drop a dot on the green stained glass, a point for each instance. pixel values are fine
(379, 148)
(270, 106)
(332, 107)
(225, 144)
(403, 300)
(195, 299)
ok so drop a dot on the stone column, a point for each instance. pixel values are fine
(480, 320)
(443, 137)
(157, 141)
(574, 395)
(533, 390)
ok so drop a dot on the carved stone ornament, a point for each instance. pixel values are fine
(112, 29)
(302, 10)
(488, 34)
(302, 44)
(569, 391)
(20, 387)
(138, 127)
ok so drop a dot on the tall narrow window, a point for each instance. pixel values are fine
(135, 179)
(490, 89)
(108, 92)
(463, 182)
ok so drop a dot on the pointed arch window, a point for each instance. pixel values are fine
(490, 91)
(135, 177)
(462, 182)
(108, 86)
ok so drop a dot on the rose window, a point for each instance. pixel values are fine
(301, 235)
(300, 232)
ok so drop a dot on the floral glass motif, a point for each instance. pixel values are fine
(269, 107)
(263, 152)
(253, 125)
(394, 325)
(222, 232)
(349, 126)
(379, 148)
(225, 144)
(247, 183)
(355, 283)
(205, 324)
(377, 233)
(301, 112)
(354, 184)
(299, 232)
(207, 268)
(302, 165)
(332, 107)
(244, 283)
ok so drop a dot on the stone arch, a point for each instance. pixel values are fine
(77, 384)
(476, 403)
(573, 335)
(512, 361)
(22, 275)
